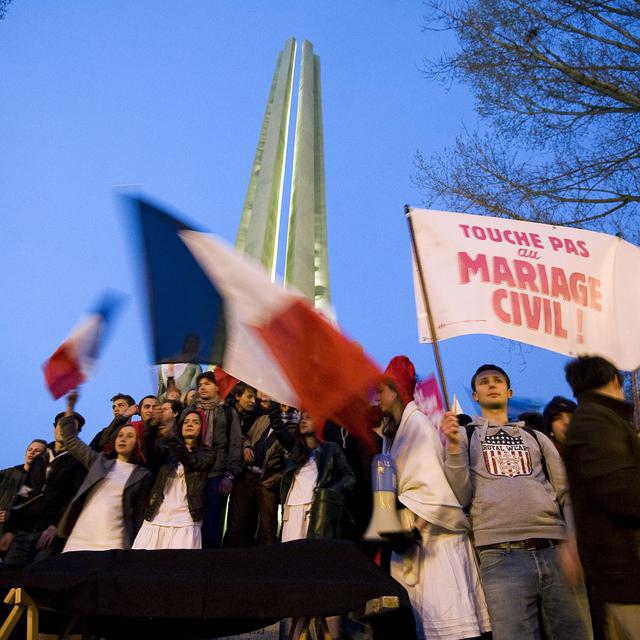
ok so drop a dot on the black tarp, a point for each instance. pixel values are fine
(210, 592)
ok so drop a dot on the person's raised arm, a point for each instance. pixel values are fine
(82, 452)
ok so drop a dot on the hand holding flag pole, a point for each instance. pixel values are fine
(425, 299)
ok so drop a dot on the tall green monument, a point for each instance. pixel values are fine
(306, 266)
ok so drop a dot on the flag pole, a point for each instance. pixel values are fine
(425, 300)
(635, 392)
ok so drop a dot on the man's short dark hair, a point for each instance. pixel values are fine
(176, 406)
(489, 367)
(587, 373)
(39, 441)
(77, 416)
(240, 387)
(207, 375)
(123, 396)
(145, 397)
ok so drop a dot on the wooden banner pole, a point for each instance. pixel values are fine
(425, 300)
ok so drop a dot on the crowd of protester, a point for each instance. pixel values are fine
(500, 516)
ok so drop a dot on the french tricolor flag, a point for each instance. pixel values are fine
(74, 360)
(209, 304)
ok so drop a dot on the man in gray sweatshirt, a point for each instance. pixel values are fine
(513, 481)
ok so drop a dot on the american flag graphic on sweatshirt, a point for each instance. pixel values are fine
(506, 455)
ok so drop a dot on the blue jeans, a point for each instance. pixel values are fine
(23, 549)
(215, 506)
(518, 581)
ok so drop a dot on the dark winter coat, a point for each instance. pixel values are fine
(54, 478)
(603, 466)
(10, 481)
(197, 463)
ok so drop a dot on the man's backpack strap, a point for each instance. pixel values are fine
(543, 462)
(469, 429)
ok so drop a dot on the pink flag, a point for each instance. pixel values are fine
(428, 398)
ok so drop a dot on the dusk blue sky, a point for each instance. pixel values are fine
(166, 99)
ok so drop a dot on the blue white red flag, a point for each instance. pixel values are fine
(74, 360)
(209, 304)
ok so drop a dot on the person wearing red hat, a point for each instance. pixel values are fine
(435, 562)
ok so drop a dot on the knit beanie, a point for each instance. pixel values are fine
(400, 375)
(557, 405)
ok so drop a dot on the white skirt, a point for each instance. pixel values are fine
(442, 580)
(156, 536)
(295, 521)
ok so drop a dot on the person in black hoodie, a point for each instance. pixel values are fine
(603, 466)
(51, 483)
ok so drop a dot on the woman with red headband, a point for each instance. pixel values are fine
(106, 512)
(435, 561)
(174, 513)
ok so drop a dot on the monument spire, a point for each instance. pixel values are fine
(260, 222)
(306, 263)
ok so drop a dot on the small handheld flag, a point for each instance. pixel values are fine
(73, 361)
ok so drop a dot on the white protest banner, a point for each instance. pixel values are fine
(564, 289)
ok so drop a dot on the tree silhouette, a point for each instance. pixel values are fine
(557, 89)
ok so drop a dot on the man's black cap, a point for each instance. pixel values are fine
(77, 416)
(489, 367)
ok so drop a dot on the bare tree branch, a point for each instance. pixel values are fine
(3, 8)
(557, 88)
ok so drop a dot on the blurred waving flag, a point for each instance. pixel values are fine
(209, 304)
(224, 381)
(74, 360)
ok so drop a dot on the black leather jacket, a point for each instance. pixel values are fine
(197, 463)
(334, 471)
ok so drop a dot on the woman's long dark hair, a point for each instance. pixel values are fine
(301, 452)
(203, 423)
(136, 456)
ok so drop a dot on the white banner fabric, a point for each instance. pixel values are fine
(568, 290)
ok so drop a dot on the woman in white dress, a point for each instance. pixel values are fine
(314, 471)
(173, 517)
(106, 512)
(436, 563)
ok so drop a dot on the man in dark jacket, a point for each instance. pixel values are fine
(603, 465)
(253, 508)
(51, 483)
(224, 436)
(11, 479)
(124, 407)
(243, 398)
